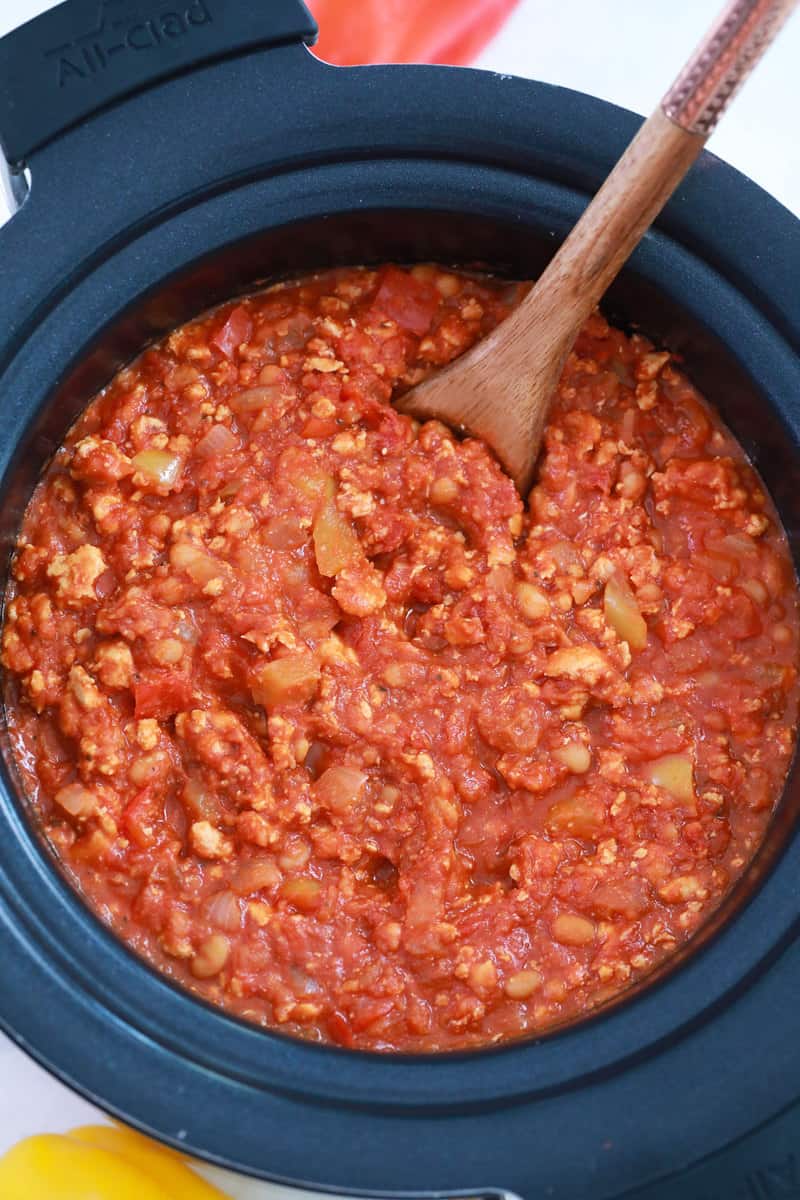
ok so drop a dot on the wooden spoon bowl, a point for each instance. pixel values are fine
(502, 389)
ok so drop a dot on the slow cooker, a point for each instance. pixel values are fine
(166, 154)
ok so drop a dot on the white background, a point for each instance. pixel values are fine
(626, 51)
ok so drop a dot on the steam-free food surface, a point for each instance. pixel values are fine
(332, 729)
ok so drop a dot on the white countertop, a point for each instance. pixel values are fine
(623, 50)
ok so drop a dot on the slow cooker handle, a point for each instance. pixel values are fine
(84, 55)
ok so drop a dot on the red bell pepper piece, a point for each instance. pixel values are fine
(160, 694)
(237, 329)
(143, 818)
(408, 301)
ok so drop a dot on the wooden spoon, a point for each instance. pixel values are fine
(502, 389)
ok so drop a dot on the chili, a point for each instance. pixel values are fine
(333, 730)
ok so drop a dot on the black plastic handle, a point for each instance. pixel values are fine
(83, 55)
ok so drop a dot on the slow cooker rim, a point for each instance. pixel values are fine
(532, 125)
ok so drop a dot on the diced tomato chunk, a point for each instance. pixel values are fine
(237, 329)
(161, 694)
(339, 1029)
(142, 817)
(320, 427)
(408, 301)
(743, 619)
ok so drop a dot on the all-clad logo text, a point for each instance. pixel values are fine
(124, 28)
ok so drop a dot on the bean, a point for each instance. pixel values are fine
(211, 957)
(522, 984)
(572, 930)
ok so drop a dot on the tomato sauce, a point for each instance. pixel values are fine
(334, 730)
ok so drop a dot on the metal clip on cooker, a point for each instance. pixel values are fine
(165, 154)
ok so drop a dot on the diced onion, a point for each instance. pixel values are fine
(619, 897)
(300, 328)
(303, 983)
(224, 911)
(285, 532)
(721, 566)
(294, 855)
(335, 543)
(675, 774)
(202, 804)
(622, 613)
(738, 544)
(579, 816)
(566, 556)
(219, 440)
(303, 893)
(256, 874)
(187, 632)
(198, 565)
(76, 800)
(755, 590)
(339, 788)
(314, 483)
(159, 466)
(576, 757)
(254, 399)
(293, 679)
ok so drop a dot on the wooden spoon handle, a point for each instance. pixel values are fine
(658, 158)
(503, 388)
(722, 62)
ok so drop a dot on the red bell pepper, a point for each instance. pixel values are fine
(431, 31)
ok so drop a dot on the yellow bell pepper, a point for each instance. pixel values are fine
(98, 1162)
